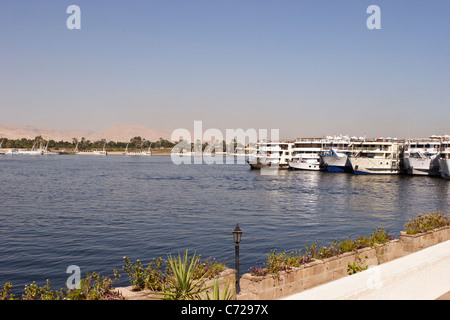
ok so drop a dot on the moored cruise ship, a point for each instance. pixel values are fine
(306, 154)
(421, 156)
(335, 154)
(381, 156)
(444, 158)
(271, 154)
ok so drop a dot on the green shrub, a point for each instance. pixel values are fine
(5, 293)
(426, 222)
(277, 262)
(208, 268)
(34, 292)
(141, 278)
(356, 267)
(95, 287)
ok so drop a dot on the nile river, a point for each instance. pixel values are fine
(90, 211)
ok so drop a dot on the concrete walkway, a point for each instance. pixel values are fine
(423, 275)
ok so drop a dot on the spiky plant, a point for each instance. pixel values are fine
(181, 283)
(227, 293)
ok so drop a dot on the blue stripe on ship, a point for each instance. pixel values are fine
(335, 168)
(361, 172)
(331, 168)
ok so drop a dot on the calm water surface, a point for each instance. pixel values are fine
(90, 211)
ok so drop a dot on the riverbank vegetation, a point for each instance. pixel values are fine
(184, 277)
(135, 143)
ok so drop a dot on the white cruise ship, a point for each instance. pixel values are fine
(335, 154)
(380, 156)
(306, 154)
(421, 156)
(271, 154)
(444, 159)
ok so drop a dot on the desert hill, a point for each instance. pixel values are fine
(118, 133)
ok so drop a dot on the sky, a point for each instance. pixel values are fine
(307, 68)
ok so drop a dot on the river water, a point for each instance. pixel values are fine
(91, 211)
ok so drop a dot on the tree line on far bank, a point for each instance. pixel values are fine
(84, 144)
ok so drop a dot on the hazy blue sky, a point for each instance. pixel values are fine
(308, 68)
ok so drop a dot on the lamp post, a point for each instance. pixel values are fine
(237, 234)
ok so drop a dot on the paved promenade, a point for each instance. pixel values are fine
(423, 275)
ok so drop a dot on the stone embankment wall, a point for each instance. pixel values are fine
(315, 273)
(322, 271)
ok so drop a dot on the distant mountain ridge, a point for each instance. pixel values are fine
(117, 133)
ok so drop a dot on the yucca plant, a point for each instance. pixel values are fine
(227, 293)
(181, 283)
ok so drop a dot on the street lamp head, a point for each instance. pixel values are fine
(237, 234)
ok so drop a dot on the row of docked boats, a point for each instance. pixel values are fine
(428, 156)
(104, 152)
(44, 151)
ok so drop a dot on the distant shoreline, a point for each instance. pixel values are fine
(154, 153)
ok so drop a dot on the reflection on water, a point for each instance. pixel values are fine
(91, 211)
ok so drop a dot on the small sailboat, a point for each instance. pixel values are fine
(1, 149)
(46, 152)
(138, 153)
(32, 152)
(95, 152)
